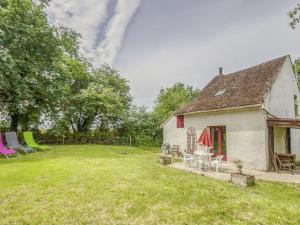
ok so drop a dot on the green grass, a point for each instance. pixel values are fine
(98, 185)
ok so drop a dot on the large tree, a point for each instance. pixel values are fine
(98, 99)
(29, 51)
(171, 99)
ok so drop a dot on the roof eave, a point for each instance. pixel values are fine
(223, 109)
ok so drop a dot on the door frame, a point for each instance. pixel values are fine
(220, 137)
(288, 141)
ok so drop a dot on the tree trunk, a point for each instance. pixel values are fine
(14, 122)
(84, 125)
(24, 121)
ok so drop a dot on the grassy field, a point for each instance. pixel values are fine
(99, 185)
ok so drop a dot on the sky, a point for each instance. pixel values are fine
(156, 43)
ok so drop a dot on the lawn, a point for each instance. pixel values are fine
(95, 184)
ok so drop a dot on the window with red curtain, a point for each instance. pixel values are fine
(180, 121)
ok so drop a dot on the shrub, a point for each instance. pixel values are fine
(146, 141)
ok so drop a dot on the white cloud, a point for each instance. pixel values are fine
(108, 49)
(88, 18)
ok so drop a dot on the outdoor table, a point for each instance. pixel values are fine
(206, 157)
(194, 159)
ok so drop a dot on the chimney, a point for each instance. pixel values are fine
(220, 71)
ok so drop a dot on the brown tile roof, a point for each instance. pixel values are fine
(242, 88)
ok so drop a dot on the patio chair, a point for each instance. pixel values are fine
(5, 151)
(187, 159)
(175, 150)
(285, 161)
(28, 138)
(217, 162)
(13, 143)
(165, 149)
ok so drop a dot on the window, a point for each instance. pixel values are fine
(296, 106)
(220, 92)
(180, 121)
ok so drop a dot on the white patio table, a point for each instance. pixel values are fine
(205, 157)
(197, 161)
(193, 160)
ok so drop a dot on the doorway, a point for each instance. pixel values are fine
(288, 140)
(218, 140)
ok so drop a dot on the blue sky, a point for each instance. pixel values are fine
(155, 43)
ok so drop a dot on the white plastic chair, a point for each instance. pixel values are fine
(200, 163)
(217, 162)
(187, 158)
(198, 159)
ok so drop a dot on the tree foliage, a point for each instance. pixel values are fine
(297, 70)
(142, 122)
(98, 99)
(171, 99)
(294, 15)
(29, 49)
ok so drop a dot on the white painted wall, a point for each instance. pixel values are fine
(280, 101)
(245, 129)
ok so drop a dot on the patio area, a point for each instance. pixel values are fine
(228, 168)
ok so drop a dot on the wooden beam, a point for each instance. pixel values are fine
(271, 162)
(284, 122)
(220, 141)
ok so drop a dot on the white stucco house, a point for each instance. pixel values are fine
(250, 114)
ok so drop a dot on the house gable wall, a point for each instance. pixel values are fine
(280, 100)
(280, 103)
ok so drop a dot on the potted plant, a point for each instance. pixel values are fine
(240, 178)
